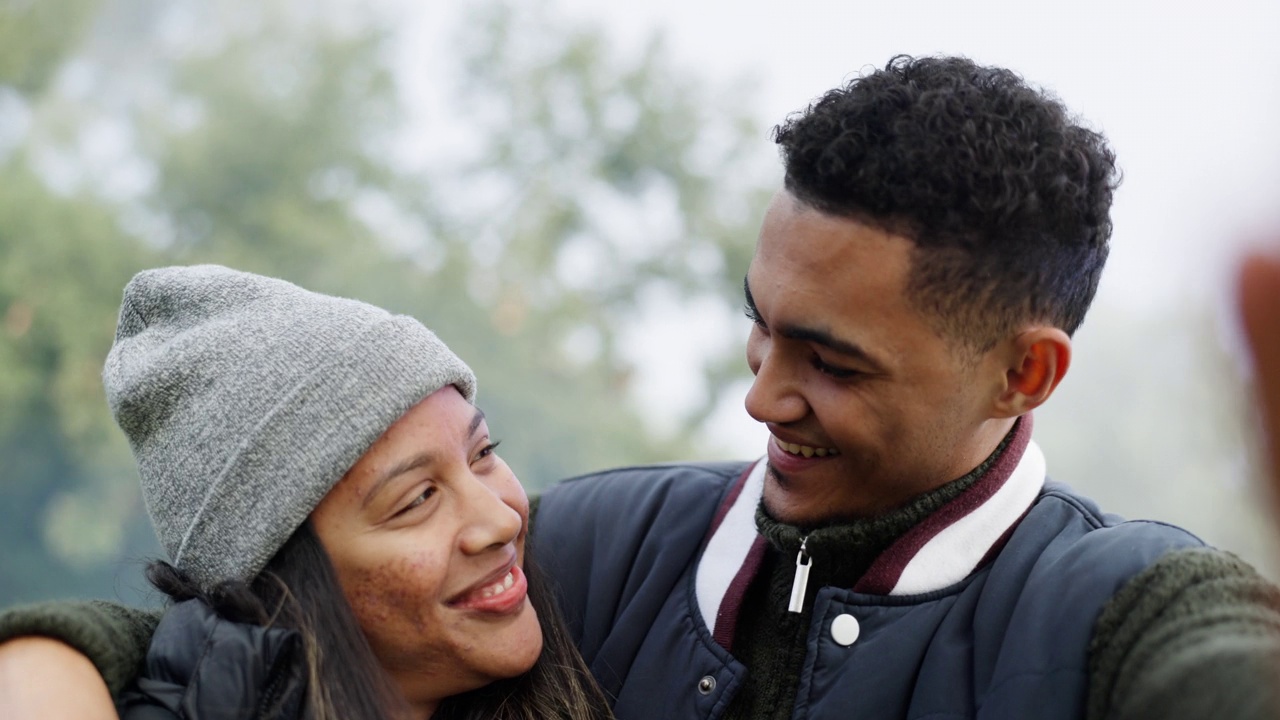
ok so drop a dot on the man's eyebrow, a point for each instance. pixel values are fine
(413, 463)
(816, 336)
(827, 340)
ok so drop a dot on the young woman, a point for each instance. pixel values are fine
(343, 540)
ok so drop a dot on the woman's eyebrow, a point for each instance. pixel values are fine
(400, 468)
(413, 463)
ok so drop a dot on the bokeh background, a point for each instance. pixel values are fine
(568, 192)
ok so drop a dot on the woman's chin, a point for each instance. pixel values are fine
(487, 657)
(515, 649)
(527, 645)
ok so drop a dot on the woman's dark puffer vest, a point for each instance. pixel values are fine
(203, 666)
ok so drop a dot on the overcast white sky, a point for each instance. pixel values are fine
(1188, 93)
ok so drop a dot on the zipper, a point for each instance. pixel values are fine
(801, 582)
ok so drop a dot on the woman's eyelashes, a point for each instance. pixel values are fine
(421, 498)
(487, 450)
(427, 492)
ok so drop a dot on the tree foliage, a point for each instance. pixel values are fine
(265, 136)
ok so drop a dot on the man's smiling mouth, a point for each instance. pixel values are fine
(804, 450)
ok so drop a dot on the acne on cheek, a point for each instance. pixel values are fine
(383, 593)
(368, 598)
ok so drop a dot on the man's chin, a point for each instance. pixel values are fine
(795, 501)
(781, 504)
(774, 476)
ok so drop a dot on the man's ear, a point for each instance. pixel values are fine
(1037, 361)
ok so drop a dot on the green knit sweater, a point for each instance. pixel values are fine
(1196, 635)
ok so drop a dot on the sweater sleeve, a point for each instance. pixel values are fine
(114, 637)
(1195, 635)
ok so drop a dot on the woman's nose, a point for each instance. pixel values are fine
(490, 520)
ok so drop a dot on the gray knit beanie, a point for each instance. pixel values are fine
(247, 398)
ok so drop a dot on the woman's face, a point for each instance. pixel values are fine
(426, 532)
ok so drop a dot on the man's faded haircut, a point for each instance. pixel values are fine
(1004, 193)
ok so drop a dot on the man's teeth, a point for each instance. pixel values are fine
(805, 450)
(500, 586)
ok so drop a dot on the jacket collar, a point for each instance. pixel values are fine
(943, 549)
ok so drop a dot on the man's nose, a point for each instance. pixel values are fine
(776, 393)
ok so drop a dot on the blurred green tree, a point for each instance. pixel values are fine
(266, 136)
(67, 476)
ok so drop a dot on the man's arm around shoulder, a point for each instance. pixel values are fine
(1196, 635)
(67, 659)
(45, 678)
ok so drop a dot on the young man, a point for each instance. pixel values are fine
(940, 236)
(899, 552)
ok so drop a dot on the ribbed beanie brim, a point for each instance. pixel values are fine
(247, 398)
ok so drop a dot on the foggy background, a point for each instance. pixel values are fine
(568, 192)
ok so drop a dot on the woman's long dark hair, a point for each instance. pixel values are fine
(299, 590)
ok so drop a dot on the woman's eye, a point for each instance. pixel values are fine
(832, 370)
(487, 450)
(423, 497)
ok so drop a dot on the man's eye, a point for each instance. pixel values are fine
(832, 370)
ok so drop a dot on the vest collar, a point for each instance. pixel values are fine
(940, 551)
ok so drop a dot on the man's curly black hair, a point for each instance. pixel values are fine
(1005, 195)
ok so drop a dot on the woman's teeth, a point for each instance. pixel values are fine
(501, 586)
(805, 450)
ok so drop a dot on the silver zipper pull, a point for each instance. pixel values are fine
(801, 583)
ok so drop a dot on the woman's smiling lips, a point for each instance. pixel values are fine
(499, 594)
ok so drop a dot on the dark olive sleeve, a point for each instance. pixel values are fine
(114, 637)
(1196, 635)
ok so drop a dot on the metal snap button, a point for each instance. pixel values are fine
(706, 685)
(845, 629)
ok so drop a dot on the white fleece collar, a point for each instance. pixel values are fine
(941, 550)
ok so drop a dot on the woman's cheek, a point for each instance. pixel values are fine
(513, 494)
(388, 596)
